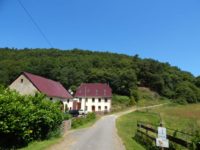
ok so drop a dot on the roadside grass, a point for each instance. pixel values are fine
(184, 118)
(88, 124)
(41, 145)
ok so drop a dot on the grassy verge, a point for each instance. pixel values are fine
(41, 145)
(183, 118)
(88, 124)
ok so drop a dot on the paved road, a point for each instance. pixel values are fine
(101, 136)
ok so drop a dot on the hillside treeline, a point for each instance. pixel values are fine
(123, 73)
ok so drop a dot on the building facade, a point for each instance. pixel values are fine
(30, 84)
(94, 97)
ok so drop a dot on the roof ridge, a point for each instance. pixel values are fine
(41, 77)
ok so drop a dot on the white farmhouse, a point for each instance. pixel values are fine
(94, 97)
(30, 84)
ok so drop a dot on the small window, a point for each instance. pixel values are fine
(51, 98)
(99, 108)
(68, 100)
(86, 100)
(80, 99)
(106, 107)
(86, 108)
(99, 100)
(93, 100)
(106, 100)
(22, 80)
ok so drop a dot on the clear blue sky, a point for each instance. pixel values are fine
(166, 30)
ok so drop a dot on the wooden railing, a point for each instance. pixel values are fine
(150, 131)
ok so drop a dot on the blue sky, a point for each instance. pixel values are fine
(166, 30)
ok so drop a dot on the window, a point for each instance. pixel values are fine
(106, 107)
(68, 100)
(22, 80)
(51, 98)
(80, 99)
(99, 108)
(93, 100)
(99, 100)
(106, 100)
(86, 108)
(86, 100)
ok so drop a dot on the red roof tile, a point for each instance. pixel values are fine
(48, 87)
(94, 90)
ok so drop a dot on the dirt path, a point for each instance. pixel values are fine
(101, 136)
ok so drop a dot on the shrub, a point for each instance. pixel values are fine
(67, 116)
(26, 118)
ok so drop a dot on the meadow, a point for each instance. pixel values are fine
(185, 118)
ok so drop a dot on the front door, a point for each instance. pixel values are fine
(93, 108)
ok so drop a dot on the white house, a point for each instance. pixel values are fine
(30, 84)
(94, 97)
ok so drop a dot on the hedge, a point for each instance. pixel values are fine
(26, 118)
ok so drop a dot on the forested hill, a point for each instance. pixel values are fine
(123, 73)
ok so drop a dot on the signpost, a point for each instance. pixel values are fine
(162, 140)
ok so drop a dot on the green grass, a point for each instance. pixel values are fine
(184, 118)
(89, 124)
(41, 145)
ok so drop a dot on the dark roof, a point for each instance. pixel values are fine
(48, 87)
(94, 90)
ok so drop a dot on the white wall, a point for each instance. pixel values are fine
(25, 87)
(87, 105)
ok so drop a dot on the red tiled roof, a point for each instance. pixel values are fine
(48, 87)
(94, 90)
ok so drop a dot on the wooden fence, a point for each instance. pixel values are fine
(150, 131)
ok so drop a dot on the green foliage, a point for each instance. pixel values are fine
(187, 92)
(72, 67)
(79, 121)
(67, 116)
(26, 118)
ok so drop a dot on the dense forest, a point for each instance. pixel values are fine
(122, 72)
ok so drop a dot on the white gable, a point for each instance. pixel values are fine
(23, 86)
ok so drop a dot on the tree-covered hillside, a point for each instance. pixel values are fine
(123, 73)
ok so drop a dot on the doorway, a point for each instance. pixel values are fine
(93, 108)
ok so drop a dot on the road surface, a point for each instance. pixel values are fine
(101, 136)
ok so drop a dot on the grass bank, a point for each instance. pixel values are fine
(42, 145)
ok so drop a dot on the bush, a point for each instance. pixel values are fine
(26, 118)
(67, 116)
